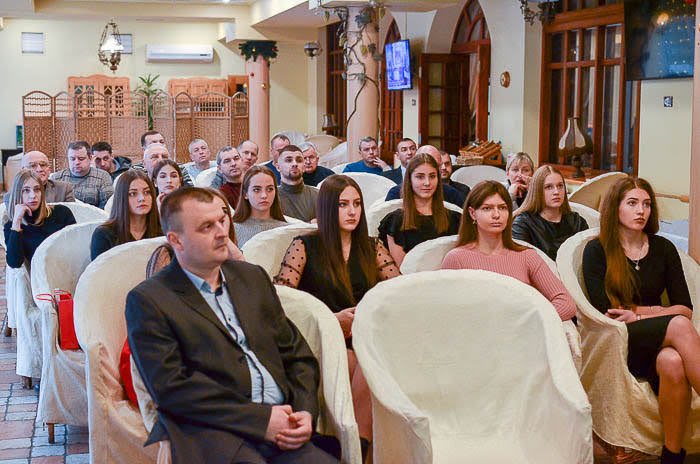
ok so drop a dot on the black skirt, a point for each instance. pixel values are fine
(644, 343)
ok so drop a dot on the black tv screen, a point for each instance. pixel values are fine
(659, 39)
(398, 65)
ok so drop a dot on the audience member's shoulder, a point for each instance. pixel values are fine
(101, 174)
(594, 249)
(61, 210)
(662, 243)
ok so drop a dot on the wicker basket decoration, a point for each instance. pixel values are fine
(480, 153)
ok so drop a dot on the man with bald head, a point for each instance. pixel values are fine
(151, 158)
(54, 190)
(450, 194)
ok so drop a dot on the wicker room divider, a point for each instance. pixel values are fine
(51, 123)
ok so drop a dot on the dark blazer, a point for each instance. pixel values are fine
(197, 374)
(394, 175)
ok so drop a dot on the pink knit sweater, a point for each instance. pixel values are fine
(526, 266)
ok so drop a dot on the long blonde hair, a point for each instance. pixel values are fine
(16, 196)
(534, 200)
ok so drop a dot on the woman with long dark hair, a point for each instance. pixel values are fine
(167, 177)
(259, 206)
(485, 242)
(134, 214)
(338, 265)
(423, 215)
(626, 270)
(545, 219)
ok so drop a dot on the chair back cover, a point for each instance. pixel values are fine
(108, 205)
(323, 143)
(205, 178)
(591, 216)
(336, 156)
(267, 249)
(379, 209)
(373, 187)
(591, 192)
(339, 168)
(461, 364)
(84, 212)
(472, 175)
(3, 212)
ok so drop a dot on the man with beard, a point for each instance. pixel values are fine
(230, 165)
(297, 200)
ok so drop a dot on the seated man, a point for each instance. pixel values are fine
(247, 395)
(54, 190)
(449, 193)
(446, 174)
(370, 162)
(199, 154)
(277, 143)
(249, 154)
(313, 173)
(230, 166)
(405, 150)
(105, 160)
(90, 185)
(148, 138)
(296, 199)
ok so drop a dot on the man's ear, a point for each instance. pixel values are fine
(174, 240)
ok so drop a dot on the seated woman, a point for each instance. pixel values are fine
(134, 215)
(259, 207)
(626, 269)
(167, 177)
(519, 170)
(338, 265)
(485, 242)
(545, 219)
(423, 215)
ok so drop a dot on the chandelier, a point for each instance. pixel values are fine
(545, 14)
(110, 48)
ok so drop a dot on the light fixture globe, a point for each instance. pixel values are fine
(110, 48)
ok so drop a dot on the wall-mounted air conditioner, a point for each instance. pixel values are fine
(179, 53)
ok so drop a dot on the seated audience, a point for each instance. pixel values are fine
(230, 165)
(54, 190)
(90, 184)
(485, 242)
(423, 216)
(167, 177)
(297, 200)
(519, 169)
(277, 143)
(105, 160)
(249, 153)
(313, 173)
(446, 174)
(449, 193)
(338, 265)
(405, 150)
(259, 206)
(199, 154)
(251, 395)
(134, 214)
(545, 219)
(626, 270)
(371, 161)
(151, 157)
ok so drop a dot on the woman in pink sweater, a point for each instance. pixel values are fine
(485, 242)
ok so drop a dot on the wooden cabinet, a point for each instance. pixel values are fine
(197, 85)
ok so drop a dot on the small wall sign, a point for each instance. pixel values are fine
(668, 102)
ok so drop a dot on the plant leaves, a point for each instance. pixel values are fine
(363, 50)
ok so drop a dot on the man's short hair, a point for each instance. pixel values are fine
(367, 139)
(405, 139)
(171, 207)
(289, 148)
(77, 145)
(189, 147)
(304, 146)
(257, 148)
(146, 134)
(221, 151)
(155, 145)
(102, 146)
(279, 137)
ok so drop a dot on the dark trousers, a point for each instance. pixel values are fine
(270, 454)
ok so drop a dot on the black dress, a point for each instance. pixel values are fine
(103, 238)
(659, 270)
(545, 235)
(425, 230)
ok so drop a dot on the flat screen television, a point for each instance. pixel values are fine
(659, 39)
(398, 65)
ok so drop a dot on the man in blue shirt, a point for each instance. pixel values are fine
(277, 143)
(370, 162)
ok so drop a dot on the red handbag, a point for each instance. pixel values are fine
(63, 304)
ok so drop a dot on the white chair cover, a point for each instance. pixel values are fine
(339, 168)
(11, 275)
(108, 205)
(84, 212)
(295, 137)
(57, 264)
(373, 187)
(323, 143)
(625, 410)
(336, 156)
(267, 248)
(117, 433)
(380, 208)
(591, 192)
(591, 216)
(205, 178)
(479, 377)
(472, 175)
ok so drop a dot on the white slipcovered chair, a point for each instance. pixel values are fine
(267, 249)
(625, 410)
(205, 178)
(591, 216)
(108, 205)
(338, 169)
(295, 137)
(336, 156)
(472, 175)
(380, 208)
(117, 433)
(322, 332)
(591, 192)
(428, 256)
(57, 264)
(11, 276)
(373, 187)
(469, 366)
(323, 143)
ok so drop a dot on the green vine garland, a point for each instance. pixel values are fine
(254, 48)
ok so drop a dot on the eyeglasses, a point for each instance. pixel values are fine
(42, 165)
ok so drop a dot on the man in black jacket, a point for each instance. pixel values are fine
(233, 379)
(405, 150)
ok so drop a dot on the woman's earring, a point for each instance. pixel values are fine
(474, 221)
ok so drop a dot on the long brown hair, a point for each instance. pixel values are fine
(243, 209)
(468, 231)
(534, 200)
(16, 196)
(329, 233)
(410, 213)
(120, 218)
(620, 284)
(160, 165)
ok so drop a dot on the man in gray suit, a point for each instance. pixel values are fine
(55, 190)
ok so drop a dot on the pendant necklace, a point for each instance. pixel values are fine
(639, 257)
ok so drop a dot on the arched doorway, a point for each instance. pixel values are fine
(391, 129)
(454, 87)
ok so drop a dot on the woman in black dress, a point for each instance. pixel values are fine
(338, 265)
(423, 216)
(545, 219)
(626, 269)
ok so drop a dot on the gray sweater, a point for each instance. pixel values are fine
(298, 201)
(252, 226)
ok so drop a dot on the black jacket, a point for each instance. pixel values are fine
(547, 236)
